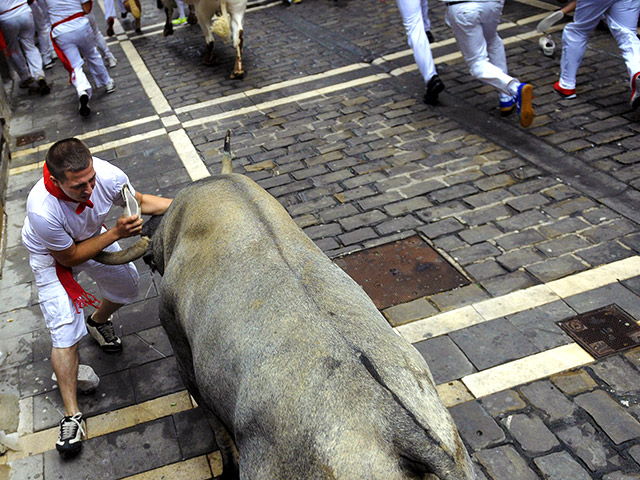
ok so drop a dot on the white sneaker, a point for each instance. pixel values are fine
(549, 21)
(111, 86)
(72, 431)
(111, 61)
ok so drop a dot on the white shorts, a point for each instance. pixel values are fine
(116, 283)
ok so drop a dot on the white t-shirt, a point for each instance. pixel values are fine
(6, 5)
(61, 9)
(53, 224)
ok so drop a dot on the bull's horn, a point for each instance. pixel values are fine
(226, 155)
(127, 255)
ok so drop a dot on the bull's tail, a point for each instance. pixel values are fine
(221, 25)
(226, 155)
(427, 436)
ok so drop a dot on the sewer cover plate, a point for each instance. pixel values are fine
(603, 331)
(30, 138)
(401, 271)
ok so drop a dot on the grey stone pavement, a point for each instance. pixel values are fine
(358, 165)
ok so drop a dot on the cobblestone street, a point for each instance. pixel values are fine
(542, 223)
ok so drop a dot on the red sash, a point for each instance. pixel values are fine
(63, 58)
(77, 294)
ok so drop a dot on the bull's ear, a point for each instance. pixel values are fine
(149, 259)
(150, 226)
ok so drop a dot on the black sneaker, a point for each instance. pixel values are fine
(72, 430)
(434, 87)
(43, 86)
(84, 109)
(105, 335)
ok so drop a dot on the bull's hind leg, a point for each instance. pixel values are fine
(238, 70)
(168, 26)
(208, 58)
(228, 452)
(191, 18)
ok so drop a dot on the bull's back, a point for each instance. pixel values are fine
(263, 302)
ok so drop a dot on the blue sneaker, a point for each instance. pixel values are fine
(523, 101)
(507, 106)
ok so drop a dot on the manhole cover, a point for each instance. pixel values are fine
(604, 331)
(30, 138)
(401, 271)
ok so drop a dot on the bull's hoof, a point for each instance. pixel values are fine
(192, 19)
(208, 58)
(167, 31)
(236, 75)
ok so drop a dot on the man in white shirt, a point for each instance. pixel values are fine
(43, 26)
(475, 26)
(63, 231)
(622, 19)
(75, 43)
(19, 31)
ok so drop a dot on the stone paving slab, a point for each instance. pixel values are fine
(358, 167)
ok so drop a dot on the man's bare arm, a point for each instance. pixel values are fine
(152, 204)
(80, 252)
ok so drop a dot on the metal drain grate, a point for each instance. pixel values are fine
(401, 271)
(603, 331)
(30, 138)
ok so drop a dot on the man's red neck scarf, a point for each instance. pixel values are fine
(78, 295)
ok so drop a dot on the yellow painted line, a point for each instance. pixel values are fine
(597, 277)
(96, 149)
(515, 302)
(147, 81)
(453, 393)
(286, 100)
(190, 158)
(525, 370)
(85, 136)
(43, 441)
(196, 468)
(275, 86)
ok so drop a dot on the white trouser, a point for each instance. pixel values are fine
(20, 31)
(413, 21)
(80, 44)
(43, 25)
(425, 14)
(116, 283)
(110, 8)
(101, 43)
(475, 26)
(621, 17)
(180, 6)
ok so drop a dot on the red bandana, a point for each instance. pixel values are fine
(78, 295)
(57, 192)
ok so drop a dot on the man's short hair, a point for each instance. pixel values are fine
(68, 155)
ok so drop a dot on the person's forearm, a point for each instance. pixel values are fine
(154, 205)
(89, 248)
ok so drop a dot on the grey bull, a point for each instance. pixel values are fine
(298, 373)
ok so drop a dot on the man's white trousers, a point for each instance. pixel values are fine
(621, 17)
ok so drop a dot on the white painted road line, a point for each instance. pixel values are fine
(525, 370)
(190, 159)
(519, 301)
